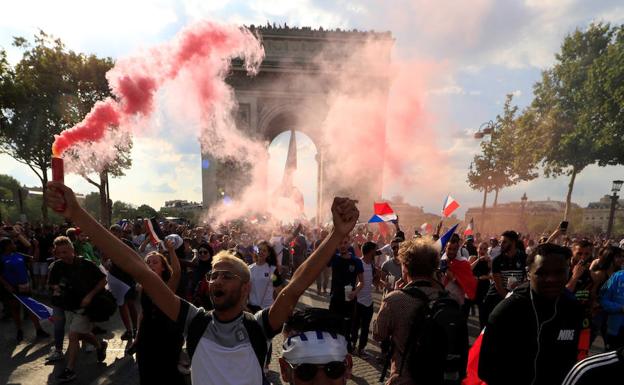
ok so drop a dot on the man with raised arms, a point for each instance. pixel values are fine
(224, 351)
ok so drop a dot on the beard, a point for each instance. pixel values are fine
(225, 300)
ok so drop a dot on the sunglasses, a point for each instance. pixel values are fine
(224, 274)
(203, 251)
(307, 372)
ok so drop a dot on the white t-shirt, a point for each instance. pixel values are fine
(365, 296)
(261, 293)
(224, 354)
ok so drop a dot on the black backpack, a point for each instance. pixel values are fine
(198, 326)
(437, 346)
(102, 307)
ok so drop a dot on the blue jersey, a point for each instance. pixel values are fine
(13, 269)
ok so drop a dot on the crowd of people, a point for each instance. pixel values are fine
(208, 301)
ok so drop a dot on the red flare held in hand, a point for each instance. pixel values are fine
(58, 175)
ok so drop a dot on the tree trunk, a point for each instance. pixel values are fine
(44, 191)
(569, 197)
(495, 198)
(102, 187)
(482, 229)
(109, 203)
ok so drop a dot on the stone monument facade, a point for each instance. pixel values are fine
(290, 93)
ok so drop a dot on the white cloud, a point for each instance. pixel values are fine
(448, 90)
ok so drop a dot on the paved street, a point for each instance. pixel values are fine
(25, 363)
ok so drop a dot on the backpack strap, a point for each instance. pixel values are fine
(419, 316)
(196, 330)
(256, 337)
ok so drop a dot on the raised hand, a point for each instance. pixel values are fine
(345, 215)
(61, 199)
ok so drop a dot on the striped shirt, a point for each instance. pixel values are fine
(604, 369)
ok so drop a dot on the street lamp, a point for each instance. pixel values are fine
(615, 188)
(523, 202)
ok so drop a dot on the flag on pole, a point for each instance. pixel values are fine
(153, 230)
(382, 213)
(42, 311)
(440, 243)
(450, 205)
(470, 228)
(426, 228)
(383, 229)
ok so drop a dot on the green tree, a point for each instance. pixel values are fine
(122, 210)
(557, 125)
(92, 204)
(501, 163)
(48, 91)
(9, 187)
(146, 211)
(604, 90)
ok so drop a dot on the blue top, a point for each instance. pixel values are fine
(612, 301)
(13, 269)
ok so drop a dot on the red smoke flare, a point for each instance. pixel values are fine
(134, 81)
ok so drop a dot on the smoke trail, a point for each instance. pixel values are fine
(204, 47)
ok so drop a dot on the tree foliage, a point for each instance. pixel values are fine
(501, 162)
(49, 90)
(570, 123)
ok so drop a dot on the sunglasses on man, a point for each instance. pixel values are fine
(224, 274)
(307, 372)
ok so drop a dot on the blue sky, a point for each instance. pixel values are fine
(490, 48)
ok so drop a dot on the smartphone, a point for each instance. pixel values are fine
(563, 226)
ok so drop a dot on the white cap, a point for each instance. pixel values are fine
(177, 240)
(314, 347)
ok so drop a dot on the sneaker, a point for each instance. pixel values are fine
(42, 334)
(20, 335)
(66, 376)
(55, 355)
(127, 336)
(101, 352)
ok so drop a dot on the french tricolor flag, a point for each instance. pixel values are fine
(443, 240)
(470, 229)
(41, 310)
(153, 230)
(383, 213)
(450, 205)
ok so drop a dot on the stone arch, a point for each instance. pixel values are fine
(296, 116)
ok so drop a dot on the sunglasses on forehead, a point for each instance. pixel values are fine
(307, 372)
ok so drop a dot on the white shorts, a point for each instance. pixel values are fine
(40, 268)
(78, 323)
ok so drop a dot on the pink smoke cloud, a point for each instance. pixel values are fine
(134, 81)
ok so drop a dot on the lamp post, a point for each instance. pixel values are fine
(484, 130)
(615, 188)
(523, 202)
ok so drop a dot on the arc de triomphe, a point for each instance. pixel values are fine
(290, 93)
